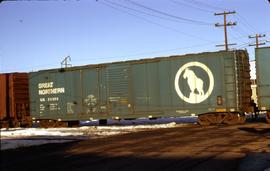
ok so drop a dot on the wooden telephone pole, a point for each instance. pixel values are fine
(257, 36)
(225, 24)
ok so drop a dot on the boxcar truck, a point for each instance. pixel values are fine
(263, 79)
(215, 86)
(14, 100)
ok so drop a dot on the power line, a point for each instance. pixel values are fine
(245, 22)
(239, 31)
(239, 17)
(242, 30)
(159, 51)
(236, 33)
(142, 12)
(191, 6)
(152, 22)
(200, 3)
(127, 56)
(243, 45)
(112, 57)
(148, 53)
(169, 15)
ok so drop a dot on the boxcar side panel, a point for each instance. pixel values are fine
(49, 94)
(165, 89)
(90, 94)
(159, 87)
(103, 98)
(155, 92)
(140, 88)
(118, 88)
(153, 86)
(73, 96)
(200, 81)
(94, 93)
(33, 94)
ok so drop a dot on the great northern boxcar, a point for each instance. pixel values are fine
(263, 79)
(213, 85)
(14, 100)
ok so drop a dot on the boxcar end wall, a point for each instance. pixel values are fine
(14, 100)
(263, 79)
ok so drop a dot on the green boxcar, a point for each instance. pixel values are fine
(158, 87)
(263, 79)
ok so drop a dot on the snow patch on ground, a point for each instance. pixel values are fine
(22, 132)
(23, 137)
(144, 121)
(13, 144)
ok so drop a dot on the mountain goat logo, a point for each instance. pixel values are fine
(194, 83)
(191, 78)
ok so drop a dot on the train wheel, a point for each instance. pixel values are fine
(211, 118)
(203, 120)
(28, 122)
(216, 118)
(48, 123)
(220, 117)
(267, 116)
(15, 124)
(4, 124)
(61, 124)
(52, 123)
(231, 119)
(44, 124)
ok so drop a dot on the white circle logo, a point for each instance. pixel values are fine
(196, 84)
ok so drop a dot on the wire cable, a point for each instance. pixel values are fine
(205, 5)
(142, 12)
(244, 21)
(191, 6)
(169, 15)
(128, 55)
(152, 22)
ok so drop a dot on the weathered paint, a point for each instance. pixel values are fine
(3, 96)
(263, 77)
(14, 100)
(167, 86)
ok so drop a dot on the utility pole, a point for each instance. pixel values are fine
(225, 24)
(257, 36)
(65, 62)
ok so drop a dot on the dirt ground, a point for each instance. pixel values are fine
(188, 147)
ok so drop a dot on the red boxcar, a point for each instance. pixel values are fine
(14, 100)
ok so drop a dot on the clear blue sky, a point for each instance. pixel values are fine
(37, 35)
